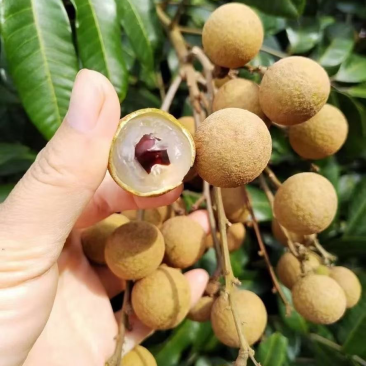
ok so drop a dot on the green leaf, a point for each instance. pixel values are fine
(15, 158)
(41, 58)
(348, 247)
(358, 91)
(99, 40)
(5, 189)
(329, 168)
(262, 208)
(352, 70)
(273, 351)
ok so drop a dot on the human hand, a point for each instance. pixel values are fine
(54, 305)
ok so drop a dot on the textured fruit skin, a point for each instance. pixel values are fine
(319, 299)
(281, 237)
(201, 312)
(188, 123)
(162, 299)
(233, 147)
(349, 282)
(232, 35)
(321, 136)
(234, 204)
(94, 239)
(306, 203)
(135, 250)
(252, 314)
(184, 241)
(293, 90)
(139, 356)
(235, 237)
(289, 268)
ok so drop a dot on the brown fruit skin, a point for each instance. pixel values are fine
(234, 204)
(184, 241)
(235, 237)
(281, 237)
(135, 250)
(155, 216)
(350, 284)
(321, 136)
(293, 90)
(319, 299)
(232, 35)
(233, 147)
(306, 203)
(139, 356)
(162, 299)
(201, 312)
(94, 239)
(188, 123)
(252, 314)
(289, 268)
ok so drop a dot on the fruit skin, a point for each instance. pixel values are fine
(293, 90)
(184, 241)
(319, 299)
(135, 250)
(349, 282)
(233, 146)
(281, 237)
(201, 312)
(188, 123)
(233, 200)
(232, 35)
(306, 203)
(252, 314)
(235, 237)
(162, 299)
(94, 239)
(289, 268)
(139, 356)
(155, 216)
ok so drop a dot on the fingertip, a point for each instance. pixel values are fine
(201, 216)
(198, 279)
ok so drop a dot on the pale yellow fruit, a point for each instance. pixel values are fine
(235, 237)
(188, 123)
(184, 241)
(349, 282)
(233, 147)
(293, 90)
(289, 268)
(232, 35)
(306, 203)
(219, 82)
(252, 315)
(322, 270)
(280, 236)
(162, 299)
(319, 299)
(135, 250)
(234, 204)
(139, 356)
(201, 312)
(94, 239)
(321, 136)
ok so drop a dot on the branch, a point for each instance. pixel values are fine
(175, 20)
(259, 69)
(174, 86)
(272, 176)
(273, 52)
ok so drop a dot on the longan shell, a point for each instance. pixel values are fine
(293, 90)
(349, 282)
(280, 236)
(306, 203)
(319, 299)
(139, 356)
(252, 314)
(233, 200)
(184, 241)
(201, 312)
(321, 136)
(235, 237)
(162, 299)
(233, 147)
(188, 123)
(232, 35)
(135, 250)
(94, 238)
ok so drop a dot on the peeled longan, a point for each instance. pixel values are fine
(252, 314)
(232, 35)
(281, 237)
(305, 204)
(135, 250)
(233, 200)
(139, 356)
(321, 136)
(162, 299)
(233, 146)
(349, 282)
(188, 123)
(94, 239)
(293, 90)
(201, 312)
(319, 299)
(184, 241)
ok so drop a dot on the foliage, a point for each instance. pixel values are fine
(45, 42)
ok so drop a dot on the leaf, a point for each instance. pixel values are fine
(15, 158)
(41, 58)
(352, 70)
(12, 151)
(348, 247)
(358, 91)
(330, 169)
(273, 351)
(99, 40)
(5, 189)
(262, 208)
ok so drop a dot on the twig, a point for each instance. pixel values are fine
(273, 52)
(174, 86)
(140, 215)
(160, 84)
(259, 69)
(272, 176)
(198, 203)
(328, 257)
(190, 30)
(178, 13)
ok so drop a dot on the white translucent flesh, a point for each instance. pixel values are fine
(129, 170)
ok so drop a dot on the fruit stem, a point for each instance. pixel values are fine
(140, 215)
(198, 202)
(272, 177)
(328, 257)
(174, 86)
(259, 69)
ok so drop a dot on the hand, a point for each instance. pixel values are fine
(54, 305)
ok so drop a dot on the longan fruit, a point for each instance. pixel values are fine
(233, 147)
(219, 82)
(232, 35)
(135, 250)
(293, 90)
(233, 200)
(280, 236)
(155, 216)
(139, 356)
(319, 299)
(188, 123)
(201, 312)
(306, 203)
(162, 299)
(235, 237)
